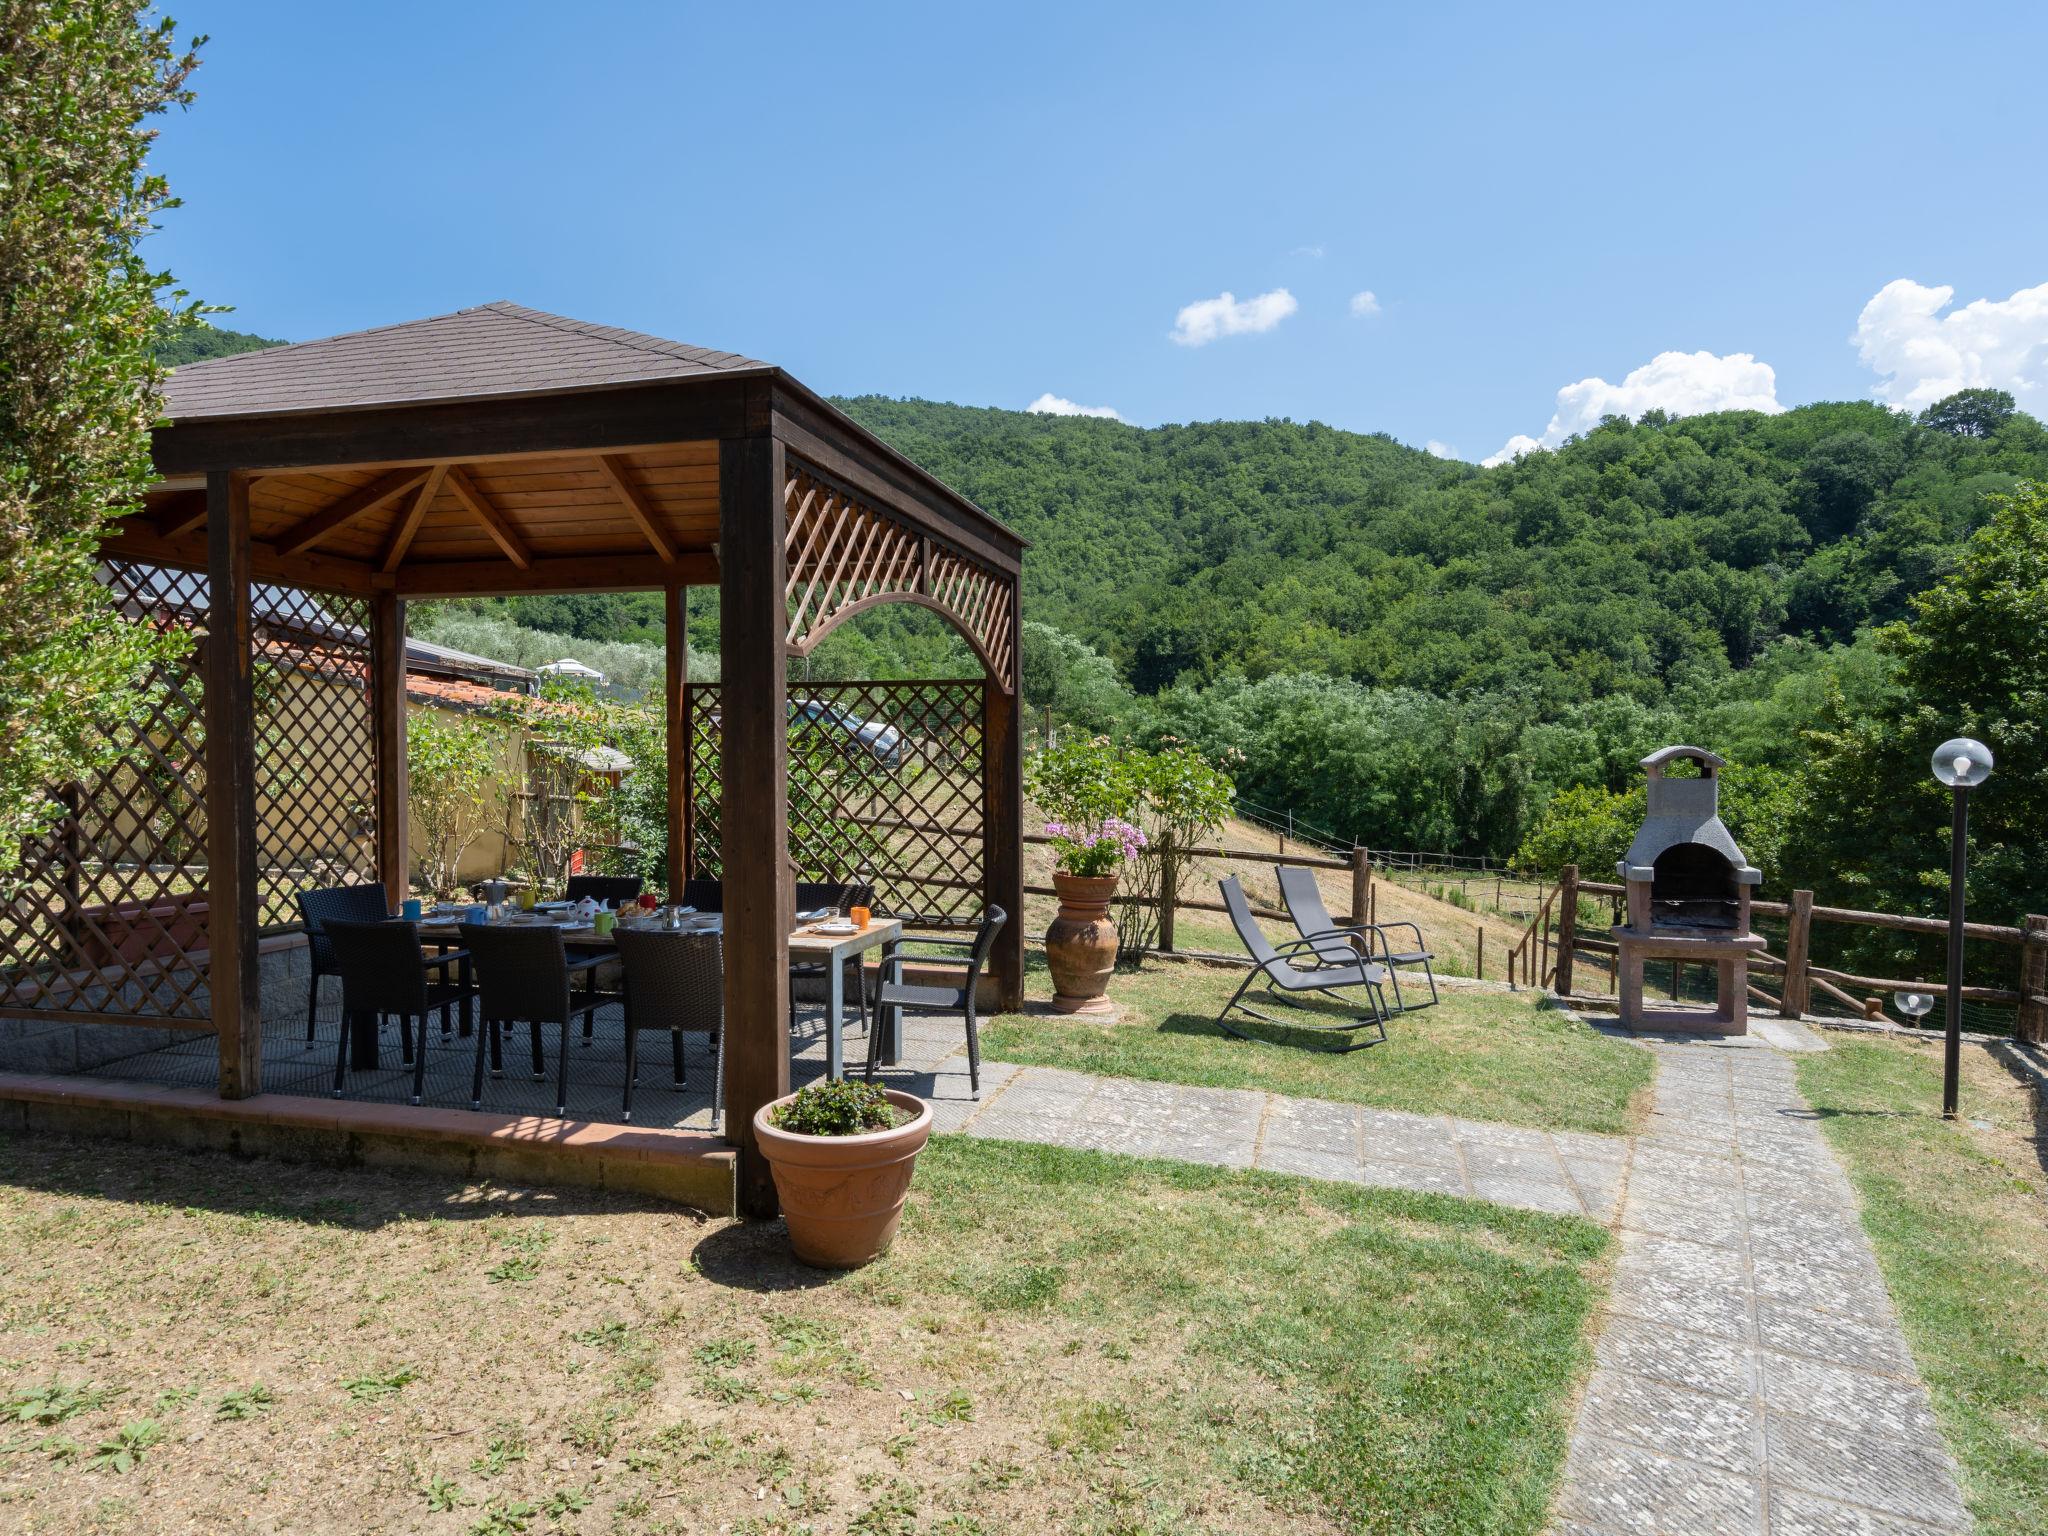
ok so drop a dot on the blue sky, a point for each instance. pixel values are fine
(991, 205)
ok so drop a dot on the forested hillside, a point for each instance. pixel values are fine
(1642, 556)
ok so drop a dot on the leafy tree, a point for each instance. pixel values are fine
(455, 787)
(1970, 661)
(1970, 412)
(78, 316)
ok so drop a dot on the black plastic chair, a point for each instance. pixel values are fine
(676, 982)
(523, 976)
(1340, 945)
(383, 972)
(704, 895)
(894, 992)
(811, 895)
(615, 889)
(341, 904)
(1298, 967)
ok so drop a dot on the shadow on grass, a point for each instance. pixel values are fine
(357, 1199)
(754, 1256)
(1326, 1040)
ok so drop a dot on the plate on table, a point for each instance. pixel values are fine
(838, 929)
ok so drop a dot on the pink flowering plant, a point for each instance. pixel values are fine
(1093, 852)
(1089, 794)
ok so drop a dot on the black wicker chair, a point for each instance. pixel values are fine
(383, 972)
(809, 897)
(894, 992)
(676, 982)
(523, 975)
(339, 903)
(704, 895)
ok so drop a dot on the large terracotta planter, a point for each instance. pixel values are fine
(843, 1195)
(1081, 944)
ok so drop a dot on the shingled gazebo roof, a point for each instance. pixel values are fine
(489, 351)
(504, 448)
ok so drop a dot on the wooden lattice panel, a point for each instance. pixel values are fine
(316, 747)
(884, 779)
(846, 554)
(107, 915)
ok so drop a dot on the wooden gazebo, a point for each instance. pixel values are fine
(308, 492)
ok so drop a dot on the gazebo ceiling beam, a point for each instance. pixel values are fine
(360, 502)
(409, 525)
(619, 476)
(490, 517)
(181, 514)
(560, 573)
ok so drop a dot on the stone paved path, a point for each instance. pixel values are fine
(1751, 1374)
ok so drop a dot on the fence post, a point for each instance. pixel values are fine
(1567, 926)
(2032, 1024)
(1169, 893)
(1361, 887)
(1480, 949)
(1796, 992)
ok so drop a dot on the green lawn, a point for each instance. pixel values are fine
(1958, 1214)
(1482, 1055)
(1061, 1342)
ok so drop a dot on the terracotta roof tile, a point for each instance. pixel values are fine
(493, 349)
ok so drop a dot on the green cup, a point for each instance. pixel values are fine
(605, 922)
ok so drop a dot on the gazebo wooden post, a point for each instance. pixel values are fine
(1002, 739)
(231, 908)
(675, 691)
(753, 774)
(387, 711)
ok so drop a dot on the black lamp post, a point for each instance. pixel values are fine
(1961, 764)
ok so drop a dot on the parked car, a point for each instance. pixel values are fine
(881, 741)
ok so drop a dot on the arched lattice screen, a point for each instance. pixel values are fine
(845, 555)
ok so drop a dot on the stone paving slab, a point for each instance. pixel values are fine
(1750, 1374)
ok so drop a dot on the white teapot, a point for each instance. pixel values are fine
(586, 909)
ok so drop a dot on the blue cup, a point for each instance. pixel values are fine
(411, 908)
(477, 914)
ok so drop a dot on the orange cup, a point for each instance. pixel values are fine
(860, 915)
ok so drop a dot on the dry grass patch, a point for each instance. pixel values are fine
(1060, 1342)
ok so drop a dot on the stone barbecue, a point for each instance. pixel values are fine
(1689, 889)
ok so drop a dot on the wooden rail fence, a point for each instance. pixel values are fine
(1546, 953)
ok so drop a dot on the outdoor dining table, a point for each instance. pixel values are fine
(807, 943)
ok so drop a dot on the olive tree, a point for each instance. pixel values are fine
(79, 312)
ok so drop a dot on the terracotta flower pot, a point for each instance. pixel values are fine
(843, 1195)
(1081, 944)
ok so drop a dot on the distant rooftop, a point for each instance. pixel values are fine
(493, 349)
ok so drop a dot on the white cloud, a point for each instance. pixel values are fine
(1050, 404)
(1441, 450)
(1364, 304)
(1203, 321)
(1926, 356)
(1313, 252)
(1683, 383)
(1513, 448)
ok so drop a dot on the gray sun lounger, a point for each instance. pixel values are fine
(1335, 944)
(1285, 979)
